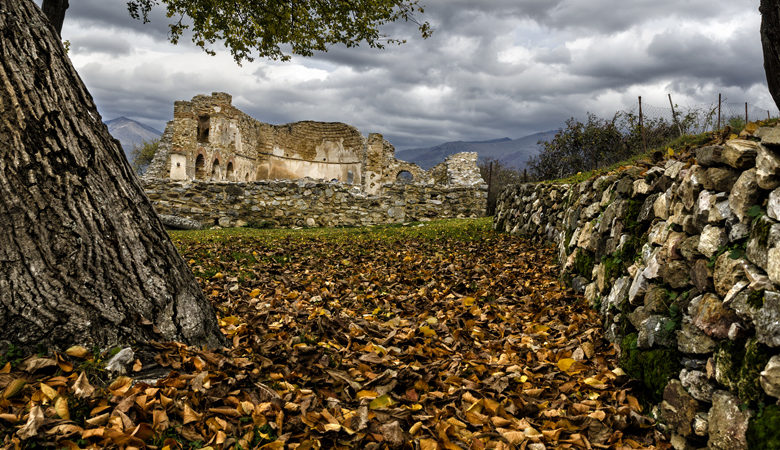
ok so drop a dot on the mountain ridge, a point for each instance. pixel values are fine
(131, 133)
(512, 152)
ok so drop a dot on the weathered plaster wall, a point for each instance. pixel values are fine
(309, 203)
(683, 262)
(209, 139)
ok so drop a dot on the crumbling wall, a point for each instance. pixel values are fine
(683, 262)
(310, 203)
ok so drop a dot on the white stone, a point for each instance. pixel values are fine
(770, 377)
(661, 206)
(773, 207)
(773, 264)
(712, 239)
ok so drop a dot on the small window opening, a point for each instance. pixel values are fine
(350, 177)
(216, 173)
(204, 124)
(229, 172)
(404, 177)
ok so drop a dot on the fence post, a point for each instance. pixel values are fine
(719, 112)
(489, 211)
(674, 115)
(746, 114)
(642, 126)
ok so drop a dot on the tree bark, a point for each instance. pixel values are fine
(55, 12)
(83, 257)
(770, 41)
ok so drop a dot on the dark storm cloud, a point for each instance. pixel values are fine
(492, 68)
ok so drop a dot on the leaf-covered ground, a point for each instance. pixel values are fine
(441, 335)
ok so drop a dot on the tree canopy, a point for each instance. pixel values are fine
(277, 30)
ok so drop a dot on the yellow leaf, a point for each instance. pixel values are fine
(428, 444)
(565, 363)
(595, 383)
(48, 391)
(670, 151)
(218, 275)
(61, 406)
(332, 427)
(77, 351)
(254, 293)
(14, 388)
(367, 394)
(6, 368)
(514, 437)
(598, 415)
(733, 136)
(120, 386)
(189, 415)
(81, 386)
(427, 331)
(468, 301)
(381, 402)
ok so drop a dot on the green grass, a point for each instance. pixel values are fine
(462, 229)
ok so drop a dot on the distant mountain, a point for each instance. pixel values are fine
(512, 152)
(131, 133)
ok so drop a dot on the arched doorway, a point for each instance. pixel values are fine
(200, 172)
(229, 172)
(216, 172)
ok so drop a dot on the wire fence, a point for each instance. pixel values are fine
(703, 117)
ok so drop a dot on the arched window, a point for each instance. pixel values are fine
(200, 172)
(350, 177)
(404, 177)
(229, 172)
(216, 173)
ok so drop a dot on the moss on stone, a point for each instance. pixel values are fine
(756, 299)
(653, 368)
(583, 263)
(764, 429)
(633, 207)
(761, 229)
(741, 363)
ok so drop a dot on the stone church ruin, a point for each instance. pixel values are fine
(217, 165)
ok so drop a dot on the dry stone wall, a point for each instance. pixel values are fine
(682, 260)
(307, 203)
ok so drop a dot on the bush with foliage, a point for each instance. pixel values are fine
(143, 154)
(597, 142)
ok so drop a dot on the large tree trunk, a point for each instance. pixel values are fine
(55, 11)
(770, 41)
(83, 257)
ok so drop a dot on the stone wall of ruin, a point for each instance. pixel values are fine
(682, 260)
(310, 203)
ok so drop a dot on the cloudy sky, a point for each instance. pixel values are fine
(493, 68)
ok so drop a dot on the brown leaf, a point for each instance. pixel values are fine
(34, 421)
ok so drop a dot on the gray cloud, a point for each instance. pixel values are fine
(491, 69)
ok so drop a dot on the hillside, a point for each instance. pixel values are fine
(513, 152)
(131, 133)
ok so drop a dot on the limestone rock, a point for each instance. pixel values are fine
(770, 377)
(728, 423)
(656, 300)
(697, 384)
(692, 340)
(673, 168)
(740, 153)
(656, 331)
(727, 272)
(770, 136)
(588, 237)
(711, 316)
(179, 223)
(689, 248)
(661, 206)
(641, 187)
(773, 206)
(744, 194)
(764, 234)
(711, 240)
(720, 179)
(738, 231)
(710, 155)
(617, 296)
(773, 264)
(701, 275)
(701, 424)
(721, 212)
(768, 168)
(678, 408)
(676, 273)
(638, 286)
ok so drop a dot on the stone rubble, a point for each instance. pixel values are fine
(685, 257)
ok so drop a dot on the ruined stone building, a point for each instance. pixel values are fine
(210, 139)
(213, 156)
